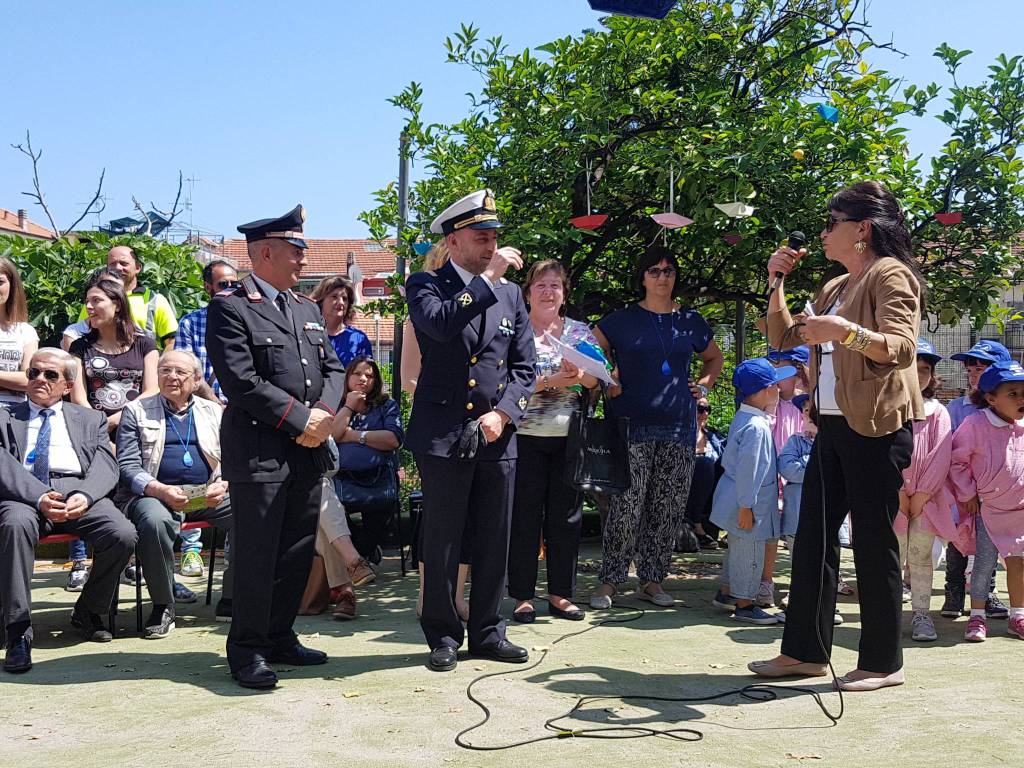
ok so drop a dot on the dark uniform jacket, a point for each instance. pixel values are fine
(273, 372)
(465, 373)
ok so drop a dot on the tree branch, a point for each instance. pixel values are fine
(88, 208)
(174, 209)
(38, 194)
(145, 216)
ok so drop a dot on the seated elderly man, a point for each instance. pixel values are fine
(57, 471)
(168, 451)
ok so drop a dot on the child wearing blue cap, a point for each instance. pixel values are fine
(976, 361)
(988, 480)
(746, 499)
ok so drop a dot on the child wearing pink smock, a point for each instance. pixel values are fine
(987, 477)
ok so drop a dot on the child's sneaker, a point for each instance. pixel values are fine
(995, 608)
(1016, 626)
(906, 593)
(754, 615)
(977, 630)
(765, 597)
(723, 601)
(922, 629)
(843, 588)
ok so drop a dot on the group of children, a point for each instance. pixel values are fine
(964, 486)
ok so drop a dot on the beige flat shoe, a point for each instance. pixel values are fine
(800, 669)
(873, 683)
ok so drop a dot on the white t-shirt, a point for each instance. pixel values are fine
(12, 348)
(827, 404)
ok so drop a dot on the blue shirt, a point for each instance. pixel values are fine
(350, 344)
(192, 336)
(793, 460)
(354, 457)
(172, 470)
(959, 410)
(705, 474)
(749, 477)
(656, 398)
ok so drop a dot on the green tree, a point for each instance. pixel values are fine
(721, 98)
(55, 271)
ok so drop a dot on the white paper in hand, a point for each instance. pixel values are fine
(584, 362)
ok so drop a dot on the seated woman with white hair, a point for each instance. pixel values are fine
(168, 454)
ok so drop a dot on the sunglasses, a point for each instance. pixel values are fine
(833, 220)
(655, 272)
(225, 284)
(703, 409)
(33, 374)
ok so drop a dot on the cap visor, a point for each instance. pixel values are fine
(784, 372)
(930, 357)
(295, 241)
(961, 356)
(491, 224)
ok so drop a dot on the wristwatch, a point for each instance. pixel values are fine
(362, 437)
(703, 390)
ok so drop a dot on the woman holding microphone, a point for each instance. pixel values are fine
(864, 384)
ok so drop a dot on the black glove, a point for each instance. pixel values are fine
(471, 441)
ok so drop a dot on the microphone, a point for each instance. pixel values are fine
(797, 240)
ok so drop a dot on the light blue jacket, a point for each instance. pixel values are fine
(792, 465)
(750, 478)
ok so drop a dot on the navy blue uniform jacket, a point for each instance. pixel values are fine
(466, 374)
(273, 373)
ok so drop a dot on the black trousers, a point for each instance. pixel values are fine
(457, 492)
(862, 475)
(544, 502)
(956, 572)
(271, 552)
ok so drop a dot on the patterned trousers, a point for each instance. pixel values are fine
(642, 522)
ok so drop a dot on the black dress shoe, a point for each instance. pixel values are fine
(573, 614)
(524, 617)
(19, 655)
(502, 650)
(443, 659)
(258, 674)
(298, 656)
(90, 626)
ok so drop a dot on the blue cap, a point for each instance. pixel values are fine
(754, 375)
(801, 354)
(800, 400)
(987, 350)
(1000, 373)
(926, 350)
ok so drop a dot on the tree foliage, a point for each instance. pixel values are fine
(721, 98)
(55, 272)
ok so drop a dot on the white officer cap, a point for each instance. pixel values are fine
(474, 211)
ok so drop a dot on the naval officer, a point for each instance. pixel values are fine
(283, 382)
(477, 376)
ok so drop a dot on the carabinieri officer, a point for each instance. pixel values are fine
(283, 382)
(477, 376)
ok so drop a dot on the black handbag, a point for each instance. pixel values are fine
(368, 491)
(597, 451)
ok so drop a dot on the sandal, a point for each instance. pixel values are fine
(603, 602)
(661, 599)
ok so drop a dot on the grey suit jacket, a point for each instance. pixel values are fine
(88, 431)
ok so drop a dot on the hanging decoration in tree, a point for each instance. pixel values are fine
(828, 112)
(733, 239)
(422, 247)
(670, 219)
(644, 9)
(736, 209)
(948, 219)
(591, 220)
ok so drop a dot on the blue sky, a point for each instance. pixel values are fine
(267, 104)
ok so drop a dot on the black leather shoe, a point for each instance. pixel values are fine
(19, 655)
(573, 614)
(443, 659)
(502, 650)
(258, 674)
(298, 656)
(90, 626)
(524, 617)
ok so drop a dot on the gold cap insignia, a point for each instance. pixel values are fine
(489, 201)
(465, 299)
(302, 214)
(522, 403)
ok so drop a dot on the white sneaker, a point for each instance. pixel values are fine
(765, 597)
(922, 628)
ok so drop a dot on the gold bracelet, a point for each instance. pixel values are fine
(852, 335)
(862, 341)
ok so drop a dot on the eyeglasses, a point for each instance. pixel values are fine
(655, 272)
(833, 220)
(225, 284)
(33, 374)
(174, 372)
(703, 409)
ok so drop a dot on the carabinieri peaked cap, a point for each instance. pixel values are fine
(287, 228)
(474, 211)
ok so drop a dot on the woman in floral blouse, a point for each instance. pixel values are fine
(544, 502)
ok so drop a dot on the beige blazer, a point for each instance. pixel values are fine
(876, 398)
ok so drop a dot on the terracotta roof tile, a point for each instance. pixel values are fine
(9, 225)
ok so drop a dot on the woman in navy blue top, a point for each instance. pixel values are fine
(652, 344)
(337, 301)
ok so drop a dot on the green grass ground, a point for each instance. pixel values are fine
(172, 702)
